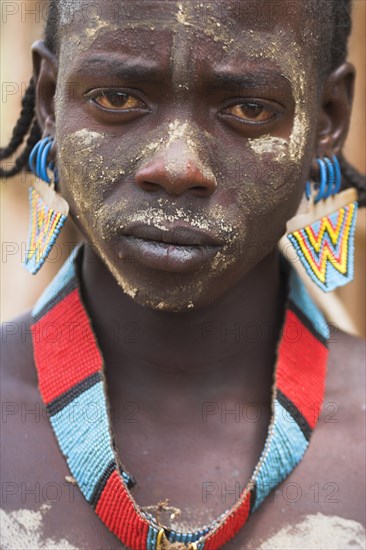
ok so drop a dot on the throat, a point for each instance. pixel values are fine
(228, 347)
(190, 394)
(203, 377)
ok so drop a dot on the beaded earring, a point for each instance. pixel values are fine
(323, 237)
(48, 210)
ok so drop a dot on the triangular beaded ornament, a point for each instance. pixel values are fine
(48, 213)
(325, 246)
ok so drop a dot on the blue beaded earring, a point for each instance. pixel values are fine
(324, 243)
(48, 210)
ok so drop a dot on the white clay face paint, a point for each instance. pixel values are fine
(258, 45)
(277, 146)
(294, 67)
(87, 138)
(181, 16)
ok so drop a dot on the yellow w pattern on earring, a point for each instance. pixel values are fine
(326, 247)
(45, 225)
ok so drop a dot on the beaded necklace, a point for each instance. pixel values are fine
(70, 376)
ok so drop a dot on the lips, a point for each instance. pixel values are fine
(180, 248)
(176, 234)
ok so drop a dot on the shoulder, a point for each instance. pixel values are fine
(34, 487)
(19, 389)
(345, 383)
(343, 346)
(17, 364)
(346, 367)
(27, 443)
(341, 422)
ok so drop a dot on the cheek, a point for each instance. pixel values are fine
(260, 194)
(89, 175)
(82, 169)
(265, 186)
(277, 171)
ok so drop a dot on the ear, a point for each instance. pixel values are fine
(335, 110)
(45, 69)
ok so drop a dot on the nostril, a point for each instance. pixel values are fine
(200, 191)
(150, 186)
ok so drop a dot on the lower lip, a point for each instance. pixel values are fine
(165, 256)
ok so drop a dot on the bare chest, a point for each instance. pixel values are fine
(323, 497)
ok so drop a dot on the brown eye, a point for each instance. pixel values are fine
(117, 101)
(253, 112)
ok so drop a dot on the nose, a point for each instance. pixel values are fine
(176, 170)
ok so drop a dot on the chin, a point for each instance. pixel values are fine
(169, 307)
(163, 302)
(174, 298)
(174, 292)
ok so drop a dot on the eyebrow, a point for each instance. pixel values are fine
(148, 71)
(248, 79)
(120, 68)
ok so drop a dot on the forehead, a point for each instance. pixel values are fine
(193, 45)
(217, 27)
(266, 13)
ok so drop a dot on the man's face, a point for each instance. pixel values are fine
(185, 132)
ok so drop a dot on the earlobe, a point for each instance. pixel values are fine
(45, 68)
(336, 106)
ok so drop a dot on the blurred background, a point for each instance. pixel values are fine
(21, 24)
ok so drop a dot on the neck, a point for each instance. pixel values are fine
(231, 342)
